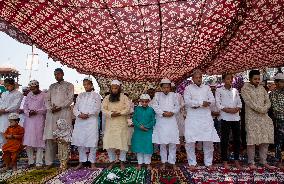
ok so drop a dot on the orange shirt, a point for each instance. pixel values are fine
(14, 144)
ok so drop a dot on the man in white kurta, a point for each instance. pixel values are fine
(25, 92)
(58, 101)
(199, 125)
(86, 133)
(10, 102)
(166, 131)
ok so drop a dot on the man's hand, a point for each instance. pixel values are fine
(83, 116)
(9, 136)
(168, 114)
(143, 128)
(32, 113)
(115, 114)
(55, 109)
(20, 111)
(206, 104)
(2, 111)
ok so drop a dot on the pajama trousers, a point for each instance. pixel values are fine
(10, 158)
(144, 158)
(208, 150)
(84, 157)
(263, 150)
(112, 155)
(279, 139)
(165, 157)
(63, 153)
(39, 156)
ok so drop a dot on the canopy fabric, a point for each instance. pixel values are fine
(146, 40)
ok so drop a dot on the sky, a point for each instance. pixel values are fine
(15, 53)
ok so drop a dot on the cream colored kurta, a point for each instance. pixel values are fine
(259, 126)
(60, 95)
(116, 128)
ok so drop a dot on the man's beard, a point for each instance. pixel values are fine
(114, 97)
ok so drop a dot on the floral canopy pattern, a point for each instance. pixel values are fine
(146, 40)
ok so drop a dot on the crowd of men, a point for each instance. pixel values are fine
(41, 122)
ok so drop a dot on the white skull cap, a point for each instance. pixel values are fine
(145, 97)
(115, 82)
(165, 81)
(13, 116)
(33, 83)
(279, 76)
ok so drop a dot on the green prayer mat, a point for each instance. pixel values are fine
(34, 176)
(128, 176)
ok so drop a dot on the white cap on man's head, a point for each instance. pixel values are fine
(88, 78)
(145, 97)
(33, 83)
(13, 116)
(279, 76)
(165, 81)
(115, 82)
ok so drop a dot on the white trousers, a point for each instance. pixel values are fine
(165, 157)
(39, 156)
(144, 158)
(208, 150)
(112, 155)
(84, 157)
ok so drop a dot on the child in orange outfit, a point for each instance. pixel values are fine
(14, 142)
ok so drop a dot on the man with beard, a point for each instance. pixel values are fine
(116, 109)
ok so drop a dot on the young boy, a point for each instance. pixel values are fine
(86, 132)
(229, 103)
(14, 136)
(10, 102)
(144, 121)
(166, 131)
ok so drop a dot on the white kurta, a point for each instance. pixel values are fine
(199, 125)
(86, 132)
(10, 101)
(22, 116)
(166, 128)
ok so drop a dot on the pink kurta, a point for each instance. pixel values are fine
(34, 125)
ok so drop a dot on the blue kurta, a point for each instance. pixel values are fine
(142, 140)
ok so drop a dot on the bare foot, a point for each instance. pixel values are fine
(192, 167)
(226, 165)
(211, 167)
(138, 167)
(163, 166)
(122, 167)
(15, 168)
(252, 167)
(238, 165)
(93, 166)
(269, 167)
(149, 167)
(174, 167)
(280, 165)
(79, 166)
(111, 166)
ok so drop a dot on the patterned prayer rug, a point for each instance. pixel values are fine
(221, 175)
(128, 176)
(33, 176)
(168, 176)
(71, 176)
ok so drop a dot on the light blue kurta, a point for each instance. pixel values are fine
(142, 140)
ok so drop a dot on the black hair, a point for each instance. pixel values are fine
(10, 81)
(58, 70)
(253, 73)
(224, 75)
(165, 83)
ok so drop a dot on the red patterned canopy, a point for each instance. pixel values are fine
(137, 40)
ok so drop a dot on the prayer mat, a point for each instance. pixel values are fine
(168, 176)
(34, 176)
(128, 176)
(233, 175)
(71, 176)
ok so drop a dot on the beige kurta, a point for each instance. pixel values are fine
(60, 95)
(116, 130)
(259, 126)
